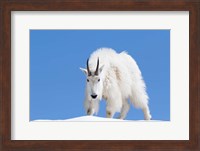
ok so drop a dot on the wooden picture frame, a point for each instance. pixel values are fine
(193, 6)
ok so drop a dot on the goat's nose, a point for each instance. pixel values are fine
(93, 96)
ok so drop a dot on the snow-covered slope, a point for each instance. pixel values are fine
(85, 118)
(90, 118)
(93, 118)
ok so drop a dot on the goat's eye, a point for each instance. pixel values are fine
(98, 80)
(87, 80)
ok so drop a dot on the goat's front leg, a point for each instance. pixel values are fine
(90, 111)
(91, 107)
(109, 113)
(114, 102)
(113, 107)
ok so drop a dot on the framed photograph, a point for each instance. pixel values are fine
(92, 75)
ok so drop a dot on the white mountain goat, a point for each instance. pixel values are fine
(115, 78)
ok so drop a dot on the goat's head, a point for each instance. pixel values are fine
(94, 83)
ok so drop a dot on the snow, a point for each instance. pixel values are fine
(85, 118)
(91, 118)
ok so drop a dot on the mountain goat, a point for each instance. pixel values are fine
(116, 78)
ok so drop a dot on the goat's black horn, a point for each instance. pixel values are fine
(97, 68)
(88, 69)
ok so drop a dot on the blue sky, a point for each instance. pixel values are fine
(57, 84)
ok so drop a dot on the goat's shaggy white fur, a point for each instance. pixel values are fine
(121, 81)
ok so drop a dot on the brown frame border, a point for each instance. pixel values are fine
(6, 6)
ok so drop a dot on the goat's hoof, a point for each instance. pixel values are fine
(121, 118)
(88, 112)
(108, 114)
(148, 117)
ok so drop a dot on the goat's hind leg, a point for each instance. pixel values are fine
(146, 111)
(124, 110)
(144, 106)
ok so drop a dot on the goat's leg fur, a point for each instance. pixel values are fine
(125, 109)
(144, 106)
(110, 110)
(109, 114)
(114, 102)
(147, 115)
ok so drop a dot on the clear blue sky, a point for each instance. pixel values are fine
(57, 84)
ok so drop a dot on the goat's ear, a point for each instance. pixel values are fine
(84, 71)
(100, 69)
